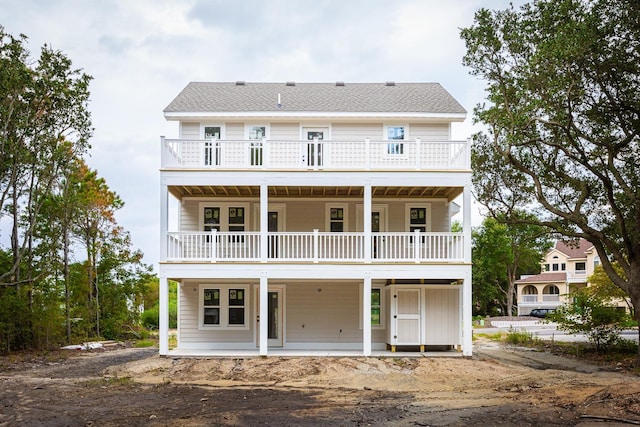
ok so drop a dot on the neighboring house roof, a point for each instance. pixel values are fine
(228, 97)
(571, 250)
(543, 278)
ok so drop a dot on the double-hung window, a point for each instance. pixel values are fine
(224, 306)
(256, 135)
(212, 145)
(377, 313)
(395, 136)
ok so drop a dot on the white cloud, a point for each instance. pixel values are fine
(142, 53)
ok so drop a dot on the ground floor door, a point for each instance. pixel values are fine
(406, 316)
(275, 317)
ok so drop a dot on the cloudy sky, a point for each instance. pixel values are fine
(141, 53)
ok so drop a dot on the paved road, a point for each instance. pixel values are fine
(549, 331)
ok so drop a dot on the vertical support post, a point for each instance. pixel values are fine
(163, 321)
(214, 245)
(367, 208)
(316, 245)
(264, 313)
(164, 219)
(466, 219)
(366, 315)
(367, 157)
(264, 154)
(467, 327)
(264, 221)
(416, 245)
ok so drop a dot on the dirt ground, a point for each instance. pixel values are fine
(498, 386)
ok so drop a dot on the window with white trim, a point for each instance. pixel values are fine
(336, 217)
(224, 307)
(377, 310)
(396, 134)
(212, 148)
(256, 134)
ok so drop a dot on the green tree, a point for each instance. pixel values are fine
(501, 253)
(563, 134)
(601, 285)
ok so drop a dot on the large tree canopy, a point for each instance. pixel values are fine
(563, 122)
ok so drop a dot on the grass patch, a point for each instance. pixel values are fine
(145, 343)
(110, 382)
(173, 341)
(496, 336)
(516, 337)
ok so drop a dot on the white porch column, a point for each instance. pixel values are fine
(467, 327)
(264, 221)
(466, 221)
(367, 221)
(163, 325)
(164, 219)
(264, 314)
(366, 315)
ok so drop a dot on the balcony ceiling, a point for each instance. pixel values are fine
(448, 193)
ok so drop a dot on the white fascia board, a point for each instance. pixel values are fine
(456, 117)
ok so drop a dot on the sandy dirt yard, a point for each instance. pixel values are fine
(129, 387)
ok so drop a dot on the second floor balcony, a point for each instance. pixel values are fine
(315, 155)
(314, 247)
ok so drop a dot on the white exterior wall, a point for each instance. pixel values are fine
(429, 131)
(307, 215)
(442, 316)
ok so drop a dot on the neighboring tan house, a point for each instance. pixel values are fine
(315, 218)
(565, 269)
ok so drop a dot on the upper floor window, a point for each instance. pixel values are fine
(596, 261)
(395, 133)
(211, 218)
(212, 148)
(257, 133)
(581, 266)
(336, 218)
(563, 266)
(418, 219)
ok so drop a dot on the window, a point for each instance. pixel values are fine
(546, 267)
(212, 148)
(211, 305)
(377, 310)
(418, 219)
(563, 266)
(337, 220)
(395, 133)
(581, 266)
(376, 298)
(236, 306)
(256, 133)
(555, 267)
(596, 261)
(224, 307)
(211, 218)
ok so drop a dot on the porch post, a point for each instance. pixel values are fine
(163, 326)
(164, 220)
(467, 327)
(264, 314)
(367, 221)
(264, 221)
(366, 315)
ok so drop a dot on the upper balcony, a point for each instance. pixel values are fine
(362, 155)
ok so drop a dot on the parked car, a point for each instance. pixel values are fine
(541, 312)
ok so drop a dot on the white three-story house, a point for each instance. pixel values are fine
(315, 218)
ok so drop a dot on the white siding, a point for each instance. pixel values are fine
(189, 332)
(234, 131)
(429, 131)
(440, 217)
(442, 317)
(285, 131)
(190, 130)
(323, 312)
(190, 215)
(356, 131)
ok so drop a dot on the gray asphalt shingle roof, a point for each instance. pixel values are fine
(315, 97)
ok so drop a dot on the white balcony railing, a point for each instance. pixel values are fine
(352, 155)
(530, 298)
(315, 247)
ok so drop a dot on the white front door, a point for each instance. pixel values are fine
(275, 317)
(407, 316)
(312, 156)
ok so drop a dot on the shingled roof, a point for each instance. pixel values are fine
(228, 97)
(573, 249)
